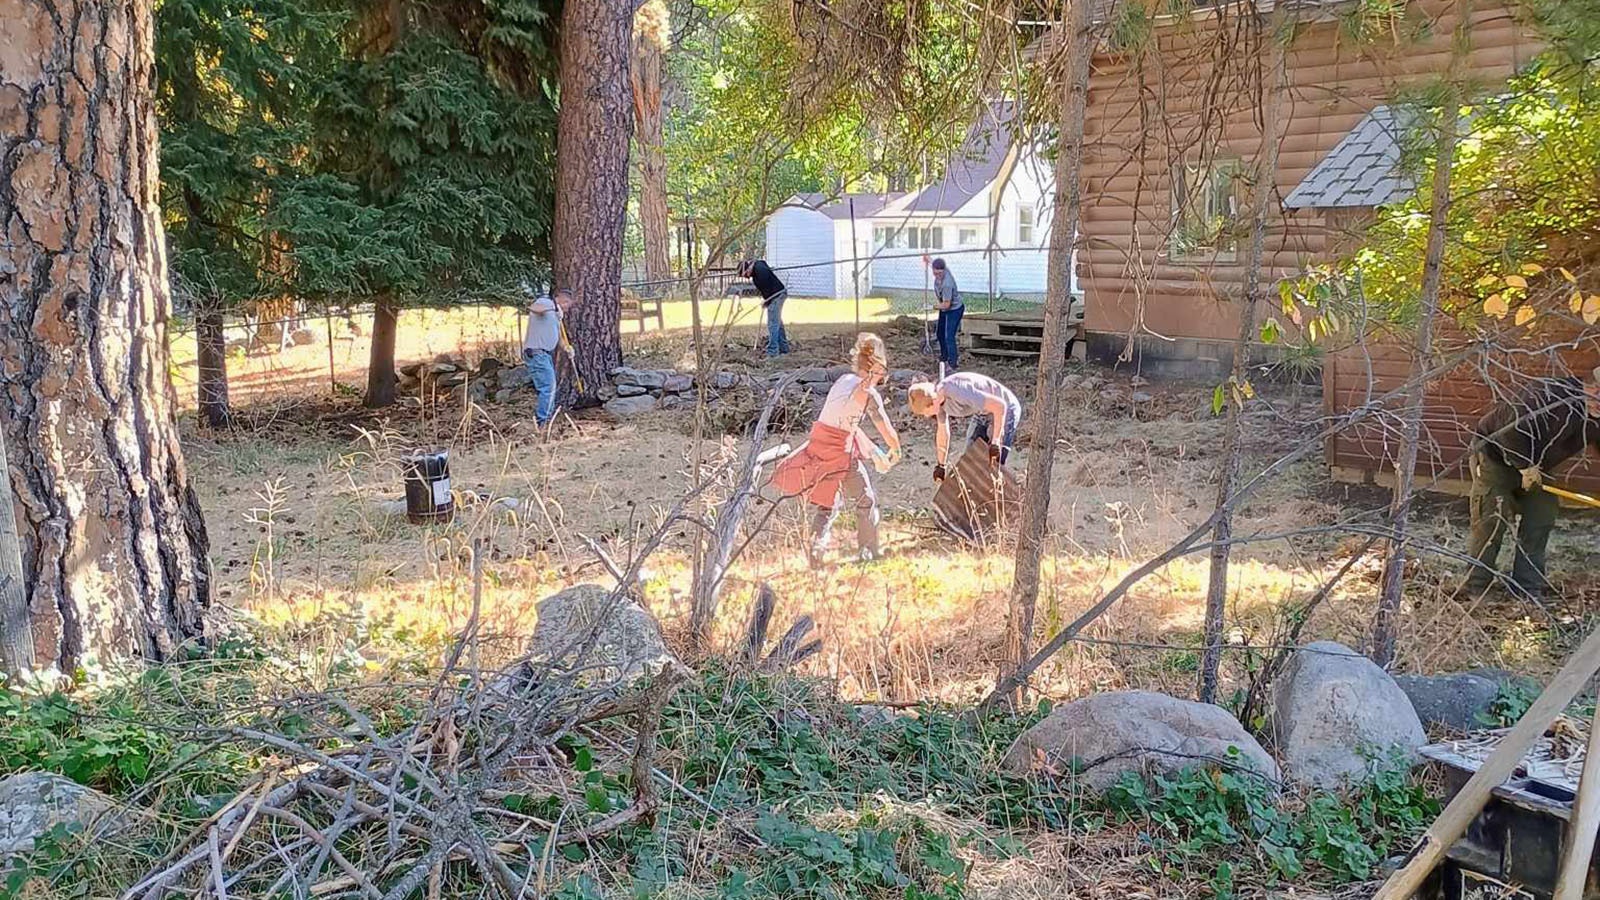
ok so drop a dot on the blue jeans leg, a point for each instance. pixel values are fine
(949, 327)
(777, 338)
(542, 368)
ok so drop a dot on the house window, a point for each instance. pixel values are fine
(966, 237)
(1025, 222)
(933, 238)
(881, 237)
(914, 238)
(1206, 203)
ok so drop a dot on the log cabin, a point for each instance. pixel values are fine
(1172, 129)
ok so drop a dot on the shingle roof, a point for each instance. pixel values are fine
(1360, 170)
(867, 204)
(974, 164)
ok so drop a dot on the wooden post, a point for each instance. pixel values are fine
(855, 264)
(1460, 812)
(1585, 822)
(16, 627)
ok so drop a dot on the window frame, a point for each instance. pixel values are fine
(1031, 225)
(1224, 184)
(962, 231)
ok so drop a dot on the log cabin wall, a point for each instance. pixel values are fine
(1170, 103)
(1361, 376)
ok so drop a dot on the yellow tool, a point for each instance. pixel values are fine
(566, 344)
(1575, 497)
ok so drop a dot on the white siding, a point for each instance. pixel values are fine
(802, 237)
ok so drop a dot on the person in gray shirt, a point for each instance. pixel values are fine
(947, 298)
(539, 347)
(994, 409)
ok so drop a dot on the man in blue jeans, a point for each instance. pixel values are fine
(539, 347)
(773, 293)
(948, 301)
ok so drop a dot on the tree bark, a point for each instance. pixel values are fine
(651, 37)
(1264, 190)
(113, 543)
(381, 378)
(16, 633)
(212, 364)
(592, 134)
(1053, 349)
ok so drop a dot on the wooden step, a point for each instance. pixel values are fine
(996, 351)
(1011, 338)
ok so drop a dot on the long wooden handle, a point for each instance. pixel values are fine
(1585, 823)
(1464, 807)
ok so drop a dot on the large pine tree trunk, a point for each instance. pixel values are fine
(381, 378)
(592, 135)
(113, 544)
(651, 36)
(1262, 202)
(1053, 349)
(211, 363)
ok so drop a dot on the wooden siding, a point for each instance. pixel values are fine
(1131, 285)
(1454, 402)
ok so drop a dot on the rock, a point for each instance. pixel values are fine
(622, 407)
(605, 392)
(34, 803)
(812, 375)
(837, 372)
(627, 645)
(874, 715)
(628, 389)
(1135, 731)
(502, 396)
(478, 390)
(408, 383)
(1460, 702)
(726, 381)
(452, 379)
(1093, 382)
(301, 337)
(1138, 381)
(678, 384)
(1140, 397)
(389, 506)
(1071, 381)
(1335, 714)
(513, 377)
(907, 376)
(441, 368)
(645, 378)
(411, 370)
(489, 365)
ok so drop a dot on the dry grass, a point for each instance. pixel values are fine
(292, 500)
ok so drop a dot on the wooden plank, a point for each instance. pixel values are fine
(1464, 806)
(1585, 823)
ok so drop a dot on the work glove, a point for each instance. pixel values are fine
(895, 456)
(994, 456)
(938, 474)
(1532, 478)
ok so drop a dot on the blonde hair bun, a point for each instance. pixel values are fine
(869, 355)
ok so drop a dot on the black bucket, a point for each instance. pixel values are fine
(428, 488)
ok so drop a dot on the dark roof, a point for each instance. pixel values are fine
(867, 204)
(1361, 170)
(974, 164)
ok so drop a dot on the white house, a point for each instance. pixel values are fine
(988, 217)
(809, 240)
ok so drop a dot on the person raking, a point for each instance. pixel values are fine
(773, 294)
(995, 410)
(829, 469)
(947, 299)
(539, 347)
(1515, 446)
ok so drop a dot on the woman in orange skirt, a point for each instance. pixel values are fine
(830, 468)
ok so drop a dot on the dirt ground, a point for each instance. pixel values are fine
(301, 539)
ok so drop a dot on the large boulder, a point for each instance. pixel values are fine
(1460, 702)
(645, 378)
(1336, 715)
(1103, 736)
(33, 804)
(623, 407)
(613, 641)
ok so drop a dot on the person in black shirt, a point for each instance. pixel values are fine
(1514, 446)
(773, 293)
